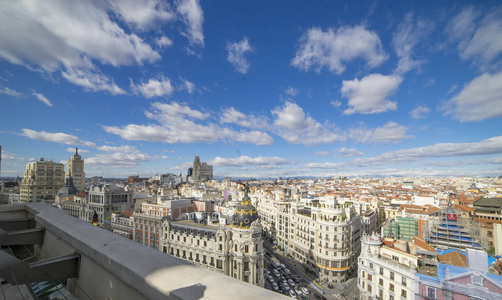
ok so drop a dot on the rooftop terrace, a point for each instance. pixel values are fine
(113, 267)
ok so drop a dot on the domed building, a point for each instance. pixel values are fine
(246, 249)
(67, 192)
(234, 249)
(245, 214)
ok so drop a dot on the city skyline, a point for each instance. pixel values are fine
(256, 89)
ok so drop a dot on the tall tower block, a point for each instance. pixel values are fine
(76, 170)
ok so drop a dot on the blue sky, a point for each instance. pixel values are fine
(257, 88)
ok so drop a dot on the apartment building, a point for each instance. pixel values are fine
(324, 237)
(42, 180)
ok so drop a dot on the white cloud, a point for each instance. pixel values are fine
(71, 37)
(125, 157)
(335, 47)
(291, 91)
(42, 98)
(349, 152)
(486, 147)
(322, 153)
(336, 103)
(11, 156)
(153, 88)
(92, 81)
(479, 40)
(182, 124)
(231, 115)
(57, 137)
(390, 132)
(369, 95)
(326, 165)
(407, 37)
(293, 125)
(10, 92)
(192, 15)
(143, 13)
(420, 112)
(82, 151)
(480, 99)
(236, 53)
(248, 161)
(163, 42)
(188, 86)
(54, 35)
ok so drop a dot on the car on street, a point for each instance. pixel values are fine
(276, 287)
(291, 282)
(292, 294)
(305, 290)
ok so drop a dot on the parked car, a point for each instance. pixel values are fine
(292, 294)
(298, 290)
(291, 282)
(276, 273)
(287, 272)
(283, 266)
(270, 278)
(276, 287)
(286, 286)
(305, 290)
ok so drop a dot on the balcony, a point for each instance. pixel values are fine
(113, 267)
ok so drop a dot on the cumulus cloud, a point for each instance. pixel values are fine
(322, 153)
(349, 152)
(480, 99)
(119, 157)
(370, 94)
(334, 48)
(478, 39)
(390, 132)
(293, 125)
(406, 38)
(153, 88)
(182, 124)
(10, 92)
(143, 13)
(53, 34)
(231, 115)
(71, 38)
(236, 55)
(42, 98)
(92, 81)
(57, 137)
(248, 161)
(420, 112)
(163, 42)
(192, 15)
(486, 147)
